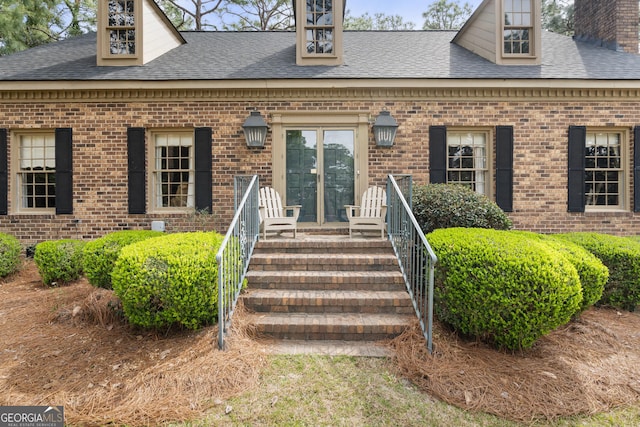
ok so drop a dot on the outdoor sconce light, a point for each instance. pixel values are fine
(384, 129)
(255, 130)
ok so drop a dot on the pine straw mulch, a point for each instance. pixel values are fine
(589, 366)
(65, 346)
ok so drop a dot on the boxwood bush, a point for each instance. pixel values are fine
(592, 272)
(451, 205)
(100, 255)
(502, 287)
(169, 280)
(622, 256)
(59, 261)
(9, 254)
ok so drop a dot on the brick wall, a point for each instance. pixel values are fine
(100, 156)
(612, 23)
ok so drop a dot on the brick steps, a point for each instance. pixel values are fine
(326, 290)
(326, 280)
(330, 326)
(327, 301)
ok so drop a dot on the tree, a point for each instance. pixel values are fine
(445, 15)
(379, 22)
(557, 16)
(177, 16)
(76, 17)
(29, 23)
(257, 15)
(25, 24)
(198, 11)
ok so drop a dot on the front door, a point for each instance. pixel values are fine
(320, 173)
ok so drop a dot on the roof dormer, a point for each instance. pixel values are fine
(319, 31)
(133, 32)
(506, 32)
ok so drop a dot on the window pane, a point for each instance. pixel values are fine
(174, 171)
(36, 179)
(319, 29)
(603, 174)
(467, 160)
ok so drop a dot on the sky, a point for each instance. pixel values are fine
(410, 10)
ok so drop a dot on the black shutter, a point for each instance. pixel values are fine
(203, 143)
(64, 171)
(437, 154)
(504, 167)
(136, 156)
(4, 173)
(577, 141)
(636, 169)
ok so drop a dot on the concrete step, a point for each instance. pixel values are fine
(330, 326)
(326, 280)
(309, 301)
(323, 262)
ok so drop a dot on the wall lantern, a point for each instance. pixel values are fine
(255, 130)
(384, 129)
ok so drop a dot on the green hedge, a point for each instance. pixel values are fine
(502, 287)
(622, 256)
(100, 255)
(9, 254)
(169, 280)
(593, 273)
(59, 261)
(448, 206)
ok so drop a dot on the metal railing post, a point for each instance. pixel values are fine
(236, 249)
(415, 256)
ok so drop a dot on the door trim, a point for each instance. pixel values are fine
(353, 119)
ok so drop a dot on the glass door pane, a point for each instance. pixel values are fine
(302, 167)
(338, 176)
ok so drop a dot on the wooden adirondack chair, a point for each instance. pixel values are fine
(371, 213)
(273, 216)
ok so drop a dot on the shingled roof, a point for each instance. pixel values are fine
(271, 55)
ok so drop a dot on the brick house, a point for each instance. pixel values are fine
(139, 122)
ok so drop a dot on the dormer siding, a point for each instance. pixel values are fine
(480, 36)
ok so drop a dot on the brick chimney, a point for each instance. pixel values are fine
(609, 23)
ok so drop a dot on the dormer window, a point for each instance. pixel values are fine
(518, 27)
(133, 32)
(319, 32)
(121, 27)
(319, 28)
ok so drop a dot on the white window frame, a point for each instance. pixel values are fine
(481, 156)
(594, 190)
(167, 184)
(33, 149)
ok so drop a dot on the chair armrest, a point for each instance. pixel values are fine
(352, 210)
(295, 209)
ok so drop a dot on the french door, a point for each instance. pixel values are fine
(320, 172)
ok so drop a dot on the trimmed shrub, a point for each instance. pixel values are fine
(450, 205)
(502, 287)
(59, 261)
(100, 255)
(9, 254)
(169, 280)
(593, 273)
(622, 256)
